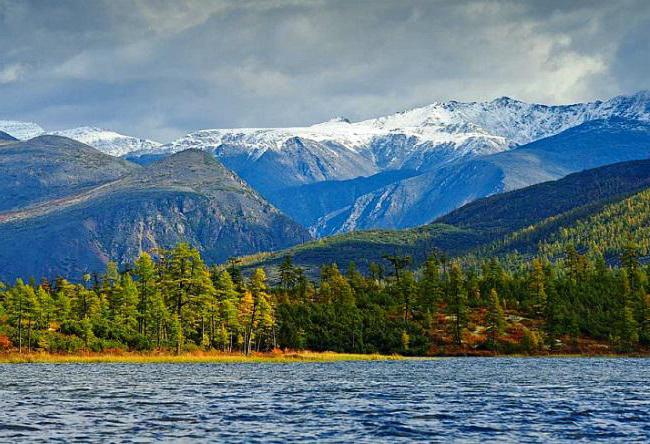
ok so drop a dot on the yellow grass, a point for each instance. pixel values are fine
(189, 358)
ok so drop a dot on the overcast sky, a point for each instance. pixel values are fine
(160, 69)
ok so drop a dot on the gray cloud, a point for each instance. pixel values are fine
(162, 68)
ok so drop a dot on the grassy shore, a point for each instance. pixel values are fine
(188, 358)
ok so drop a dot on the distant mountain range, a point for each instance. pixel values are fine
(418, 200)
(242, 191)
(106, 141)
(21, 130)
(435, 148)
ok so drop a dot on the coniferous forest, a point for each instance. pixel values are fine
(172, 301)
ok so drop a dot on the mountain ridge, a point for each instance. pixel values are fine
(51, 167)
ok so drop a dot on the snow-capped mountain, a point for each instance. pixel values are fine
(421, 138)
(502, 121)
(441, 136)
(420, 199)
(21, 130)
(107, 141)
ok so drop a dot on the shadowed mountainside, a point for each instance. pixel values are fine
(187, 197)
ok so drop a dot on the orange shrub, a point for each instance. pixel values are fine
(5, 342)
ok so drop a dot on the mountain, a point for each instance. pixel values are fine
(274, 158)
(505, 213)
(51, 167)
(6, 138)
(418, 200)
(21, 130)
(107, 141)
(485, 223)
(277, 161)
(187, 197)
(303, 203)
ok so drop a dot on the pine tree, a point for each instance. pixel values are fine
(430, 291)
(629, 335)
(47, 308)
(287, 275)
(228, 299)
(537, 287)
(126, 313)
(23, 308)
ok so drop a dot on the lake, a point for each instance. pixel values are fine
(465, 399)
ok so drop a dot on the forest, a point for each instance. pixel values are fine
(170, 300)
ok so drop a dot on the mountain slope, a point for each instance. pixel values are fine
(304, 203)
(506, 212)
(188, 197)
(107, 141)
(607, 231)
(50, 167)
(6, 138)
(418, 200)
(480, 223)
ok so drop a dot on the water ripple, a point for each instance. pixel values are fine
(532, 400)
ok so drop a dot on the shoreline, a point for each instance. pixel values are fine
(261, 358)
(192, 358)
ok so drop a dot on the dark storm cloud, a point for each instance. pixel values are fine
(162, 68)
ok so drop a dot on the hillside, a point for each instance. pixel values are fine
(479, 223)
(507, 212)
(187, 197)
(592, 229)
(51, 167)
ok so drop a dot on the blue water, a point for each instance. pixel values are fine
(465, 399)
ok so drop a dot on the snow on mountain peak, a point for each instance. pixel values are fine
(107, 141)
(21, 130)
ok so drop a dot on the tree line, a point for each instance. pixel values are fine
(171, 300)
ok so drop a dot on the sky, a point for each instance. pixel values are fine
(163, 68)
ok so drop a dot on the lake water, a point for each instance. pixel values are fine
(465, 399)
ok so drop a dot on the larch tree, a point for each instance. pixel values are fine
(457, 301)
(495, 319)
